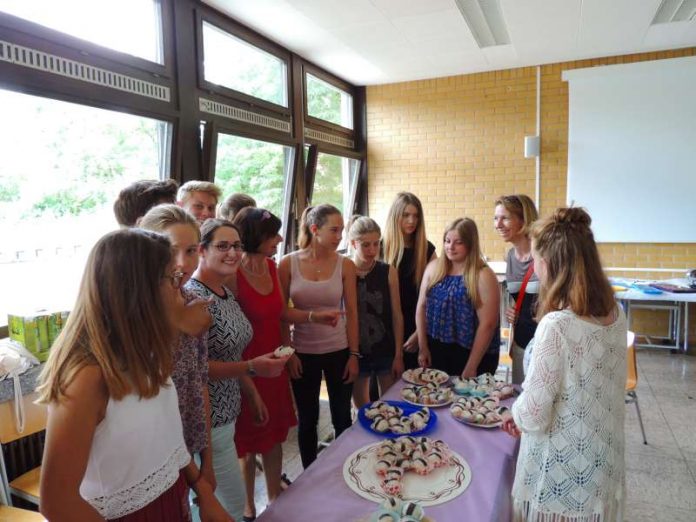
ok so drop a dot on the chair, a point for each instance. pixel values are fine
(13, 514)
(632, 379)
(26, 485)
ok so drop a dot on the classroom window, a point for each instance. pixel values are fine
(58, 183)
(329, 103)
(238, 65)
(335, 182)
(258, 168)
(130, 26)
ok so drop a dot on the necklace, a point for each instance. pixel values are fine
(366, 270)
(255, 273)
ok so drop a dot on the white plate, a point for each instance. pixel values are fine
(429, 405)
(440, 486)
(407, 376)
(475, 425)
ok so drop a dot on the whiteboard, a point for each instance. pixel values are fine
(632, 149)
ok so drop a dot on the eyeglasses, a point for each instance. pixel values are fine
(175, 279)
(224, 246)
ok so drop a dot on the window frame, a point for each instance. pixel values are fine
(255, 40)
(210, 145)
(88, 51)
(313, 121)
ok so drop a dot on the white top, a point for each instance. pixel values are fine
(137, 452)
(571, 414)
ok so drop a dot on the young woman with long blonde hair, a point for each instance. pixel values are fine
(406, 248)
(570, 414)
(458, 307)
(115, 447)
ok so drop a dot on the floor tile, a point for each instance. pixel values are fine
(673, 490)
(648, 512)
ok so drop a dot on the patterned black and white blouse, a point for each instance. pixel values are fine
(227, 338)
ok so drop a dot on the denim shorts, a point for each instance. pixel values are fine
(377, 364)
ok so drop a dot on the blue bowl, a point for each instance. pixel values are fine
(407, 409)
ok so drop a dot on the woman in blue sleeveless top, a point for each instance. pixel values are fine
(458, 311)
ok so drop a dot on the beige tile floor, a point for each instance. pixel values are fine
(660, 476)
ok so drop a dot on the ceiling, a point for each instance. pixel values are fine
(383, 41)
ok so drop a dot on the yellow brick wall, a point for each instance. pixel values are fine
(457, 143)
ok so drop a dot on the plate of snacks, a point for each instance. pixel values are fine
(480, 412)
(416, 469)
(423, 376)
(396, 510)
(394, 418)
(429, 395)
(482, 386)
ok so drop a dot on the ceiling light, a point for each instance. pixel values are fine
(675, 11)
(485, 20)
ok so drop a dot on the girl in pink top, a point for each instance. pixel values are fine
(319, 281)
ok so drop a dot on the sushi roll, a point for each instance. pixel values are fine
(385, 515)
(381, 467)
(392, 504)
(478, 418)
(380, 425)
(421, 465)
(491, 403)
(411, 509)
(485, 378)
(403, 463)
(435, 459)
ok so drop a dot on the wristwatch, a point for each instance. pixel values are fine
(356, 354)
(251, 371)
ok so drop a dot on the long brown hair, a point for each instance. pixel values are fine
(118, 321)
(574, 275)
(473, 264)
(394, 242)
(318, 216)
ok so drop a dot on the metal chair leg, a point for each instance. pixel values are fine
(634, 397)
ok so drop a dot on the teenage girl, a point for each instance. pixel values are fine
(113, 419)
(406, 248)
(459, 307)
(317, 279)
(379, 311)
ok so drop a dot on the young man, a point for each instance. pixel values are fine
(199, 198)
(137, 198)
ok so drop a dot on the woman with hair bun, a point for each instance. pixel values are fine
(320, 282)
(570, 414)
(514, 216)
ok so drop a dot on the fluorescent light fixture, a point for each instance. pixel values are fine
(485, 19)
(675, 11)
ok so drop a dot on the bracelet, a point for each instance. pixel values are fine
(356, 354)
(309, 319)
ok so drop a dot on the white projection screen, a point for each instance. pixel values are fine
(632, 150)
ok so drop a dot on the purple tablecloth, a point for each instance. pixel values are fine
(320, 493)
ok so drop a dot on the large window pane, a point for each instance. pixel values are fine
(258, 168)
(130, 26)
(58, 183)
(335, 182)
(236, 64)
(329, 103)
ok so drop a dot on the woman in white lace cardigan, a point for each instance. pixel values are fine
(570, 414)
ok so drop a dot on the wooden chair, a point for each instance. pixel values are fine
(25, 486)
(13, 514)
(632, 379)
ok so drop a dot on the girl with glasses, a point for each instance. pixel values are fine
(319, 280)
(229, 376)
(115, 447)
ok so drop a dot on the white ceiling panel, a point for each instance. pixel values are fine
(382, 41)
(614, 26)
(399, 8)
(534, 24)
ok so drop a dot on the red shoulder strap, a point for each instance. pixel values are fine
(523, 288)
